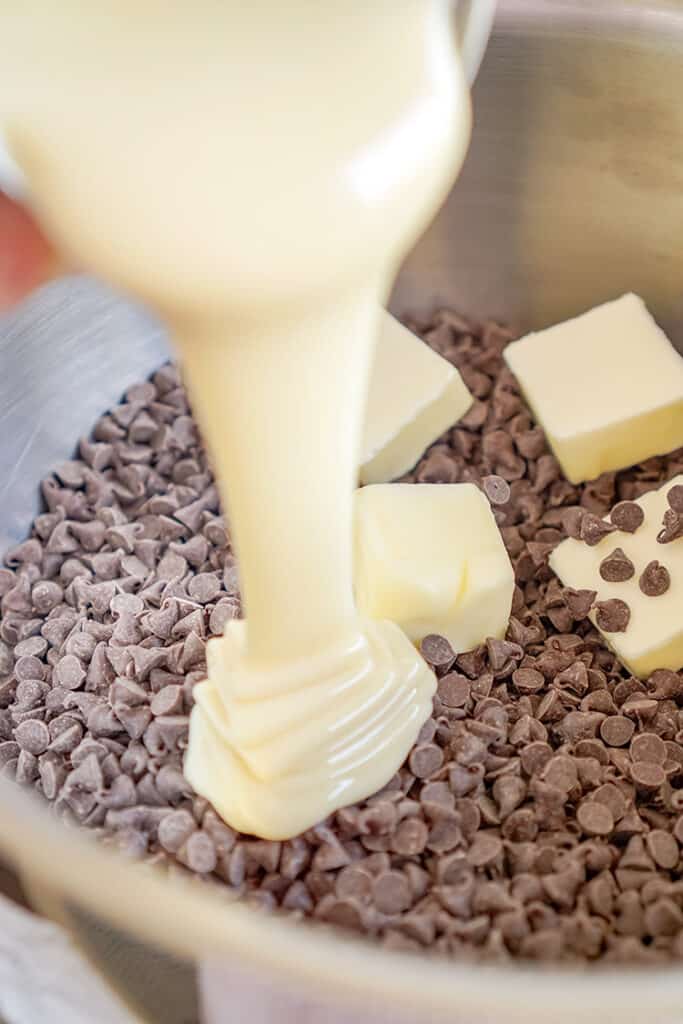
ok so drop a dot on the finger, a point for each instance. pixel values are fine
(27, 259)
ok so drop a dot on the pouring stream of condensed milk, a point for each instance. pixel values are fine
(256, 173)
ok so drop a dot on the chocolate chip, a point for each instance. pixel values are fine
(46, 595)
(675, 497)
(168, 701)
(30, 693)
(298, 898)
(497, 490)
(438, 468)
(574, 678)
(560, 772)
(425, 760)
(376, 820)
(648, 746)
(647, 776)
(672, 527)
(655, 579)
(617, 730)
(437, 651)
(175, 829)
(528, 680)
(410, 838)
(509, 791)
(126, 604)
(613, 798)
(502, 654)
(204, 587)
(235, 868)
(133, 719)
(29, 552)
(198, 853)
(354, 883)
(571, 521)
(531, 443)
(343, 913)
(617, 567)
(663, 918)
(225, 609)
(636, 857)
(32, 736)
(627, 516)
(69, 672)
(437, 799)
(547, 471)
(678, 830)
(613, 616)
(485, 850)
(534, 756)
(454, 690)
(595, 818)
(444, 835)
(666, 685)
(593, 529)
(663, 848)
(391, 892)
(579, 602)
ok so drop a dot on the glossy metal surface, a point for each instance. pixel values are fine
(572, 191)
(571, 194)
(66, 355)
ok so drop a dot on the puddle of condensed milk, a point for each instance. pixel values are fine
(256, 173)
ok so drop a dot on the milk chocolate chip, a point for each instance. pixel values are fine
(672, 526)
(675, 498)
(613, 616)
(617, 567)
(627, 516)
(655, 579)
(593, 529)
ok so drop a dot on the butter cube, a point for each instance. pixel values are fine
(414, 396)
(654, 635)
(430, 558)
(607, 387)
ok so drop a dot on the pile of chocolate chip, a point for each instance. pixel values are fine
(540, 814)
(614, 615)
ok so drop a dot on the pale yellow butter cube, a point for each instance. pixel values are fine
(607, 387)
(654, 635)
(430, 557)
(414, 396)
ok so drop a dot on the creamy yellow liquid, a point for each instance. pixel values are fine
(256, 172)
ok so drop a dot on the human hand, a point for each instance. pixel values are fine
(27, 259)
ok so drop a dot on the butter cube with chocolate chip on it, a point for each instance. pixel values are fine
(636, 571)
(430, 558)
(607, 387)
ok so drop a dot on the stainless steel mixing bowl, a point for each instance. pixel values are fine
(572, 193)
